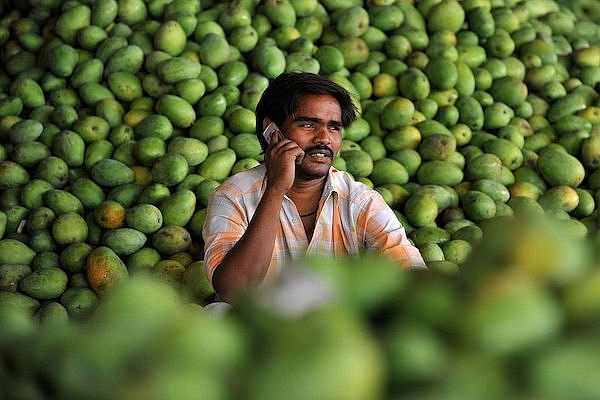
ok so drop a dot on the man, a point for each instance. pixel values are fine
(295, 203)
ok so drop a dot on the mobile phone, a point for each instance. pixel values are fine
(271, 130)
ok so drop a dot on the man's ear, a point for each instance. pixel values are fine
(266, 122)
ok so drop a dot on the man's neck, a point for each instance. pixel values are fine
(307, 190)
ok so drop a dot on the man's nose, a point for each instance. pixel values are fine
(322, 134)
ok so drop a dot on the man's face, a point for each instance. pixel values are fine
(316, 126)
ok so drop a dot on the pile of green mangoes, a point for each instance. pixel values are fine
(520, 321)
(119, 118)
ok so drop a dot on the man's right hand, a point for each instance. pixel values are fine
(281, 158)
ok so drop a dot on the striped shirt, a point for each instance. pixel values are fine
(352, 219)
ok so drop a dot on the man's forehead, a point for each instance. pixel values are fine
(316, 104)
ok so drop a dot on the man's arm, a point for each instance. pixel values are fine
(387, 235)
(246, 264)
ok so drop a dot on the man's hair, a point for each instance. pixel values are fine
(280, 99)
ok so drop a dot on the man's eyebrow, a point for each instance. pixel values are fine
(317, 120)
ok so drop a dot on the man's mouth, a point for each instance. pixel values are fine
(321, 153)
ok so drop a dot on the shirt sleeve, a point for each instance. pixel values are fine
(384, 233)
(224, 225)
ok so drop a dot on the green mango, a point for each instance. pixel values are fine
(429, 234)
(126, 194)
(104, 12)
(13, 251)
(89, 193)
(12, 175)
(170, 169)
(414, 84)
(109, 46)
(465, 81)
(11, 275)
(68, 228)
(129, 58)
(443, 195)
(500, 44)
(72, 257)
(439, 172)
(280, 12)
(245, 145)
(90, 36)
(111, 111)
(218, 164)
(170, 38)
(10, 105)
(177, 69)
(180, 112)
(25, 130)
(98, 150)
(91, 128)
(124, 241)
(358, 162)
(420, 209)
(154, 125)
(442, 73)
(478, 206)
(567, 105)
(146, 218)
(71, 20)
(497, 115)
(432, 127)
(91, 93)
(509, 90)
(51, 313)
(178, 208)
(386, 17)
(352, 21)
(40, 218)
(299, 61)
(483, 166)
(560, 168)
(111, 173)
(445, 15)
(207, 127)
(571, 123)
(70, 147)
(171, 239)
(62, 60)
(29, 91)
(41, 241)
(212, 105)
(18, 302)
(388, 171)
(437, 146)
(214, 51)
(497, 191)
(269, 60)
(125, 86)
(44, 284)
(31, 195)
(481, 21)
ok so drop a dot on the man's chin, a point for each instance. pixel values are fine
(313, 170)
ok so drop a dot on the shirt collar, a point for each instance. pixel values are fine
(330, 184)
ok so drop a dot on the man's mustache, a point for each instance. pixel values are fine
(320, 149)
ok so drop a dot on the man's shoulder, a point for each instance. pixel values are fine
(245, 180)
(344, 183)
